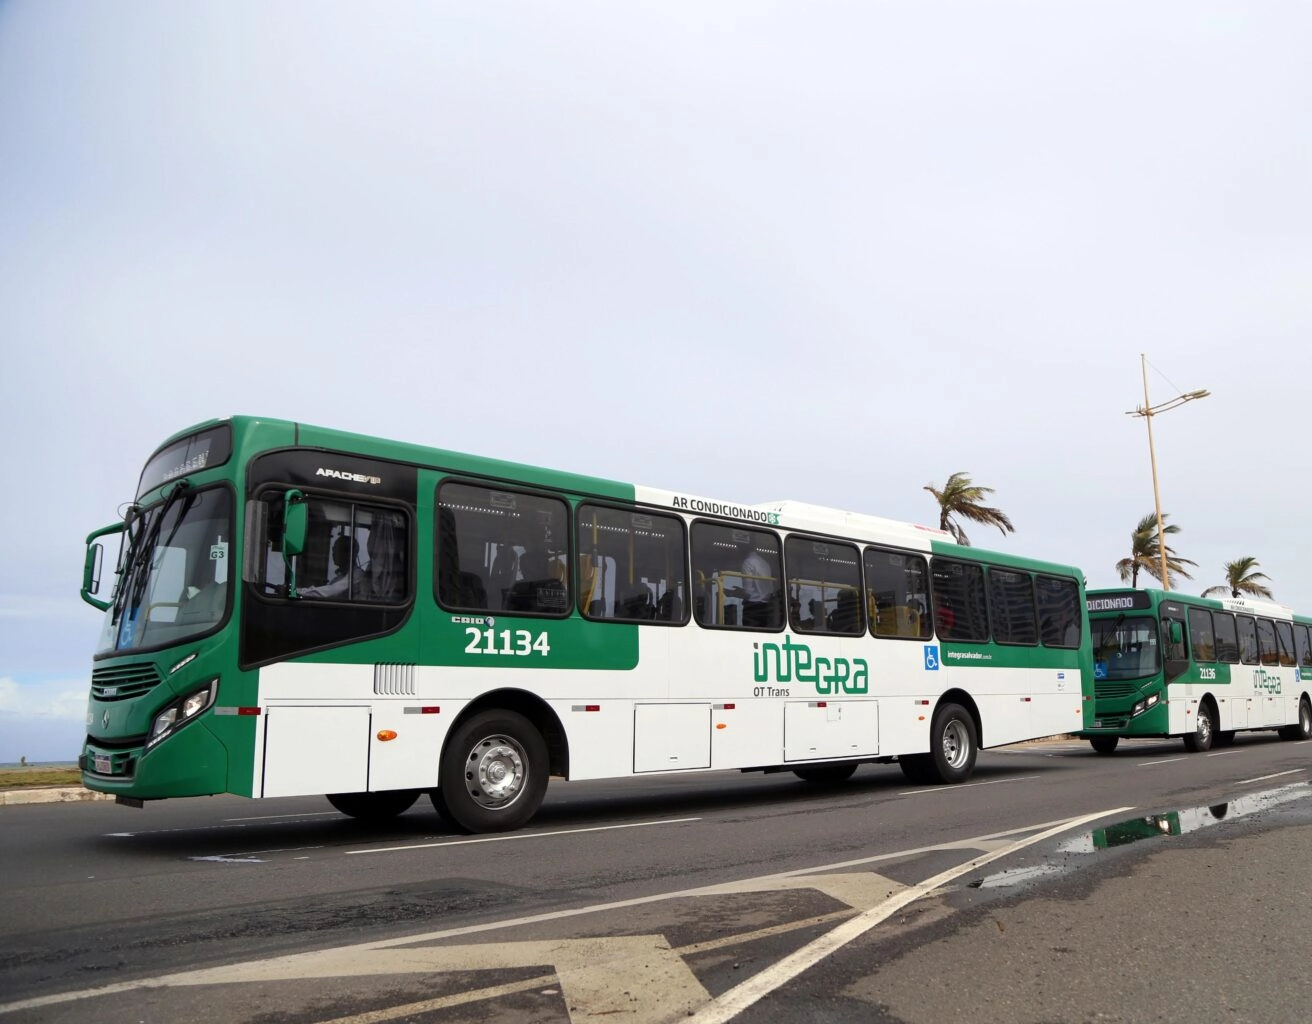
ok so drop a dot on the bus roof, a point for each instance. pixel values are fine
(789, 515)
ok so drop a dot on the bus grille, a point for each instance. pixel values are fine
(1113, 688)
(123, 682)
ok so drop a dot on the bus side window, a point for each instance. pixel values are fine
(1248, 651)
(631, 565)
(1059, 611)
(1227, 639)
(897, 589)
(1303, 648)
(1202, 641)
(1266, 642)
(736, 573)
(501, 550)
(1285, 644)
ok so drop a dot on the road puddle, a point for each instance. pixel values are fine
(1148, 826)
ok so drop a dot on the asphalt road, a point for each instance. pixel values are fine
(1057, 886)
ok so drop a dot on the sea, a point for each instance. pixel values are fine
(38, 764)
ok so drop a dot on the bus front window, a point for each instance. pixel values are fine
(174, 584)
(1125, 647)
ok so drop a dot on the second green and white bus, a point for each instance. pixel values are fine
(296, 610)
(1167, 664)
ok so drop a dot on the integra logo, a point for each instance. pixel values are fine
(355, 478)
(794, 661)
(1267, 682)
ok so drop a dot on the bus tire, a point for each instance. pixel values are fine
(952, 744)
(1104, 744)
(1204, 729)
(374, 807)
(493, 773)
(1303, 730)
(826, 774)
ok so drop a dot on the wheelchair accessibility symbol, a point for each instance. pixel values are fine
(931, 657)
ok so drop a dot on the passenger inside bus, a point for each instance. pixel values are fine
(758, 591)
(348, 575)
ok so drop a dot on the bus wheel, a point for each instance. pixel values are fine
(374, 806)
(826, 774)
(493, 772)
(1201, 738)
(1104, 744)
(1303, 729)
(953, 747)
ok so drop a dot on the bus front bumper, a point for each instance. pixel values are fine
(197, 765)
(1152, 721)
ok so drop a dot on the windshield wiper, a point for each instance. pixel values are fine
(143, 552)
(1108, 638)
(133, 526)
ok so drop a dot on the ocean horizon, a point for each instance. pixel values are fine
(38, 764)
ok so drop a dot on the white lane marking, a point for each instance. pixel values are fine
(301, 965)
(1154, 764)
(1263, 778)
(731, 1003)
(543, 982)
(250, 856)
(280, 817)
(191, 828)
(1221, 753)
(522, 836)
(934, 790)
(230, 860)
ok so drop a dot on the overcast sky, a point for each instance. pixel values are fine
(823, 251)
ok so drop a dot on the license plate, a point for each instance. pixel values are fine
(103, 767)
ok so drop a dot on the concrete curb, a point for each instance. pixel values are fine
(61, 795)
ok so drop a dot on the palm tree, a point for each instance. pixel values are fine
(1241, 578)
(960, 498)
(1146, 555)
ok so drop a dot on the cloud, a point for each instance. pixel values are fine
(61, 700)
(36, 606)
(42, 720)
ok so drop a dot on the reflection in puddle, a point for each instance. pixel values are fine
(1177, 823)
(1148, 826)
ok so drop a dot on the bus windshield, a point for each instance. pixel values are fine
(1125, 647)
(174, 581)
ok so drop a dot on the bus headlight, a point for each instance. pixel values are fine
(182, 711)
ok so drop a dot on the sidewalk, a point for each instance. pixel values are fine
(60, 795)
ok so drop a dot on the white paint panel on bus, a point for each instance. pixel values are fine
(315, 750)
(819, 729)
(671, 737)
(408, 760)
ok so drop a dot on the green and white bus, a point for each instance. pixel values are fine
(1167, 664)
(296, 610)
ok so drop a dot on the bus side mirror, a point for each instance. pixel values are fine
(295, 519)
(295, 526)
(92, 565)
(1175, 632)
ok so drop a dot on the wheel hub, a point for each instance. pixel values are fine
(955, 744)
(496, 772)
